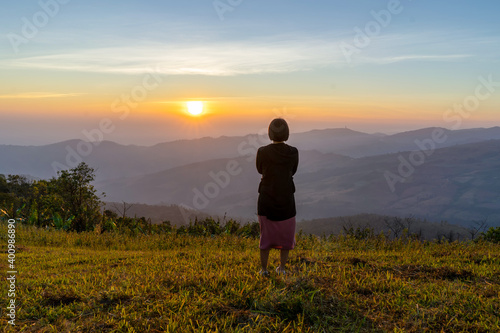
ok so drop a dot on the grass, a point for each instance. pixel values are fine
(70, 282)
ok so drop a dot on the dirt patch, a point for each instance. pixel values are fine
(111, 300)
(357, 261)
(439, 273)
(56, 298)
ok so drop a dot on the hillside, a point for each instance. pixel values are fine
(169, 283)
(407, 141)
(180, 185)
(113, 160)
(458, 184)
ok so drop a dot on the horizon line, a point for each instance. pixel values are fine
(243, 136)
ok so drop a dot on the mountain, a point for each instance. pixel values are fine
(414, 140)
(337, 140)
(217, 186)
(112, 160)
(458, 184)
(430, 173)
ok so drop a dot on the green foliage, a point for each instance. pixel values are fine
(4, 186)
(210, 227)
(60, 223)
(359, 233)
(79, 197)
(492, 235)
(68, 202)
(12, 191)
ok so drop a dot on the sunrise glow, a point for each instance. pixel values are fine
(229, 71)
(195, 108)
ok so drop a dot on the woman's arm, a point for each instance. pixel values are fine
(258, 161)
(296, 164)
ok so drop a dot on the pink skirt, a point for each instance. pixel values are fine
(277, 234)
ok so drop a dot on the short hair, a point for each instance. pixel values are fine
(278, 130)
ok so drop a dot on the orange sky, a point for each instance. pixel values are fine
(137, 65)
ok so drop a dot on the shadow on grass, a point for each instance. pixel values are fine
(54, 298)
(296, 304)
(438, 273)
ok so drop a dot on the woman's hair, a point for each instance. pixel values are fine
(278, 130)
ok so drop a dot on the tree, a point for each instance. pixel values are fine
(4, 186)
(477, 227)
(122, 210)
(79, 197)
(14, 193)
(409, 221)
(492, 235)
(396, 226)
(44, 203)
(7, 199)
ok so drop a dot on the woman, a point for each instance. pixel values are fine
(277, 162)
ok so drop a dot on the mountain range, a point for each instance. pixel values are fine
(431, 173)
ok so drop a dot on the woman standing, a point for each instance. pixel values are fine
(277, 162)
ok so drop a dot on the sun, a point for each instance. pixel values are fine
(195, 108)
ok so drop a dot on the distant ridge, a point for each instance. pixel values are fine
(341, 172)
(334, 185)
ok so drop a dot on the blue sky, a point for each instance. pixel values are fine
(263, 55)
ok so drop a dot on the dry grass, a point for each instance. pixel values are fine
(71, 282)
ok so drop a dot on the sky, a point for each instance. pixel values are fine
(124, 70)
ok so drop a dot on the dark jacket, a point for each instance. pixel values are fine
(277, 162)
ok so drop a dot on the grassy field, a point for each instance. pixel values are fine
(70, 282)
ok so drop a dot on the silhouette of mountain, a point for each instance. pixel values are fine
(402, 174)
(459, 184)
(113, 160)
(413, 140)
(209, 185)
(335, 140)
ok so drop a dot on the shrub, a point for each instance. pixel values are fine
(492, 235)
(359, 233)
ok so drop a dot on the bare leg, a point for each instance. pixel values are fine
(264, 257)
(284, 259)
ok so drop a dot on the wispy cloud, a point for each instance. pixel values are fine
(35, 95)
(415, 57)
(225, 58)
(221, 58)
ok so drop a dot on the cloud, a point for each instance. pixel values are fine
(277, 54)
(35, 95)
(416, 57)
(422, 46)
(220, 59)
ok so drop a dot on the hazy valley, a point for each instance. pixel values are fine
(432, 173)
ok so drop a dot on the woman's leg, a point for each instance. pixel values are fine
(264, 257)
(283, 259)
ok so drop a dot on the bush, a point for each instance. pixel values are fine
(66, 202)
(358, 232)
(492, 235)
(210, 227)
